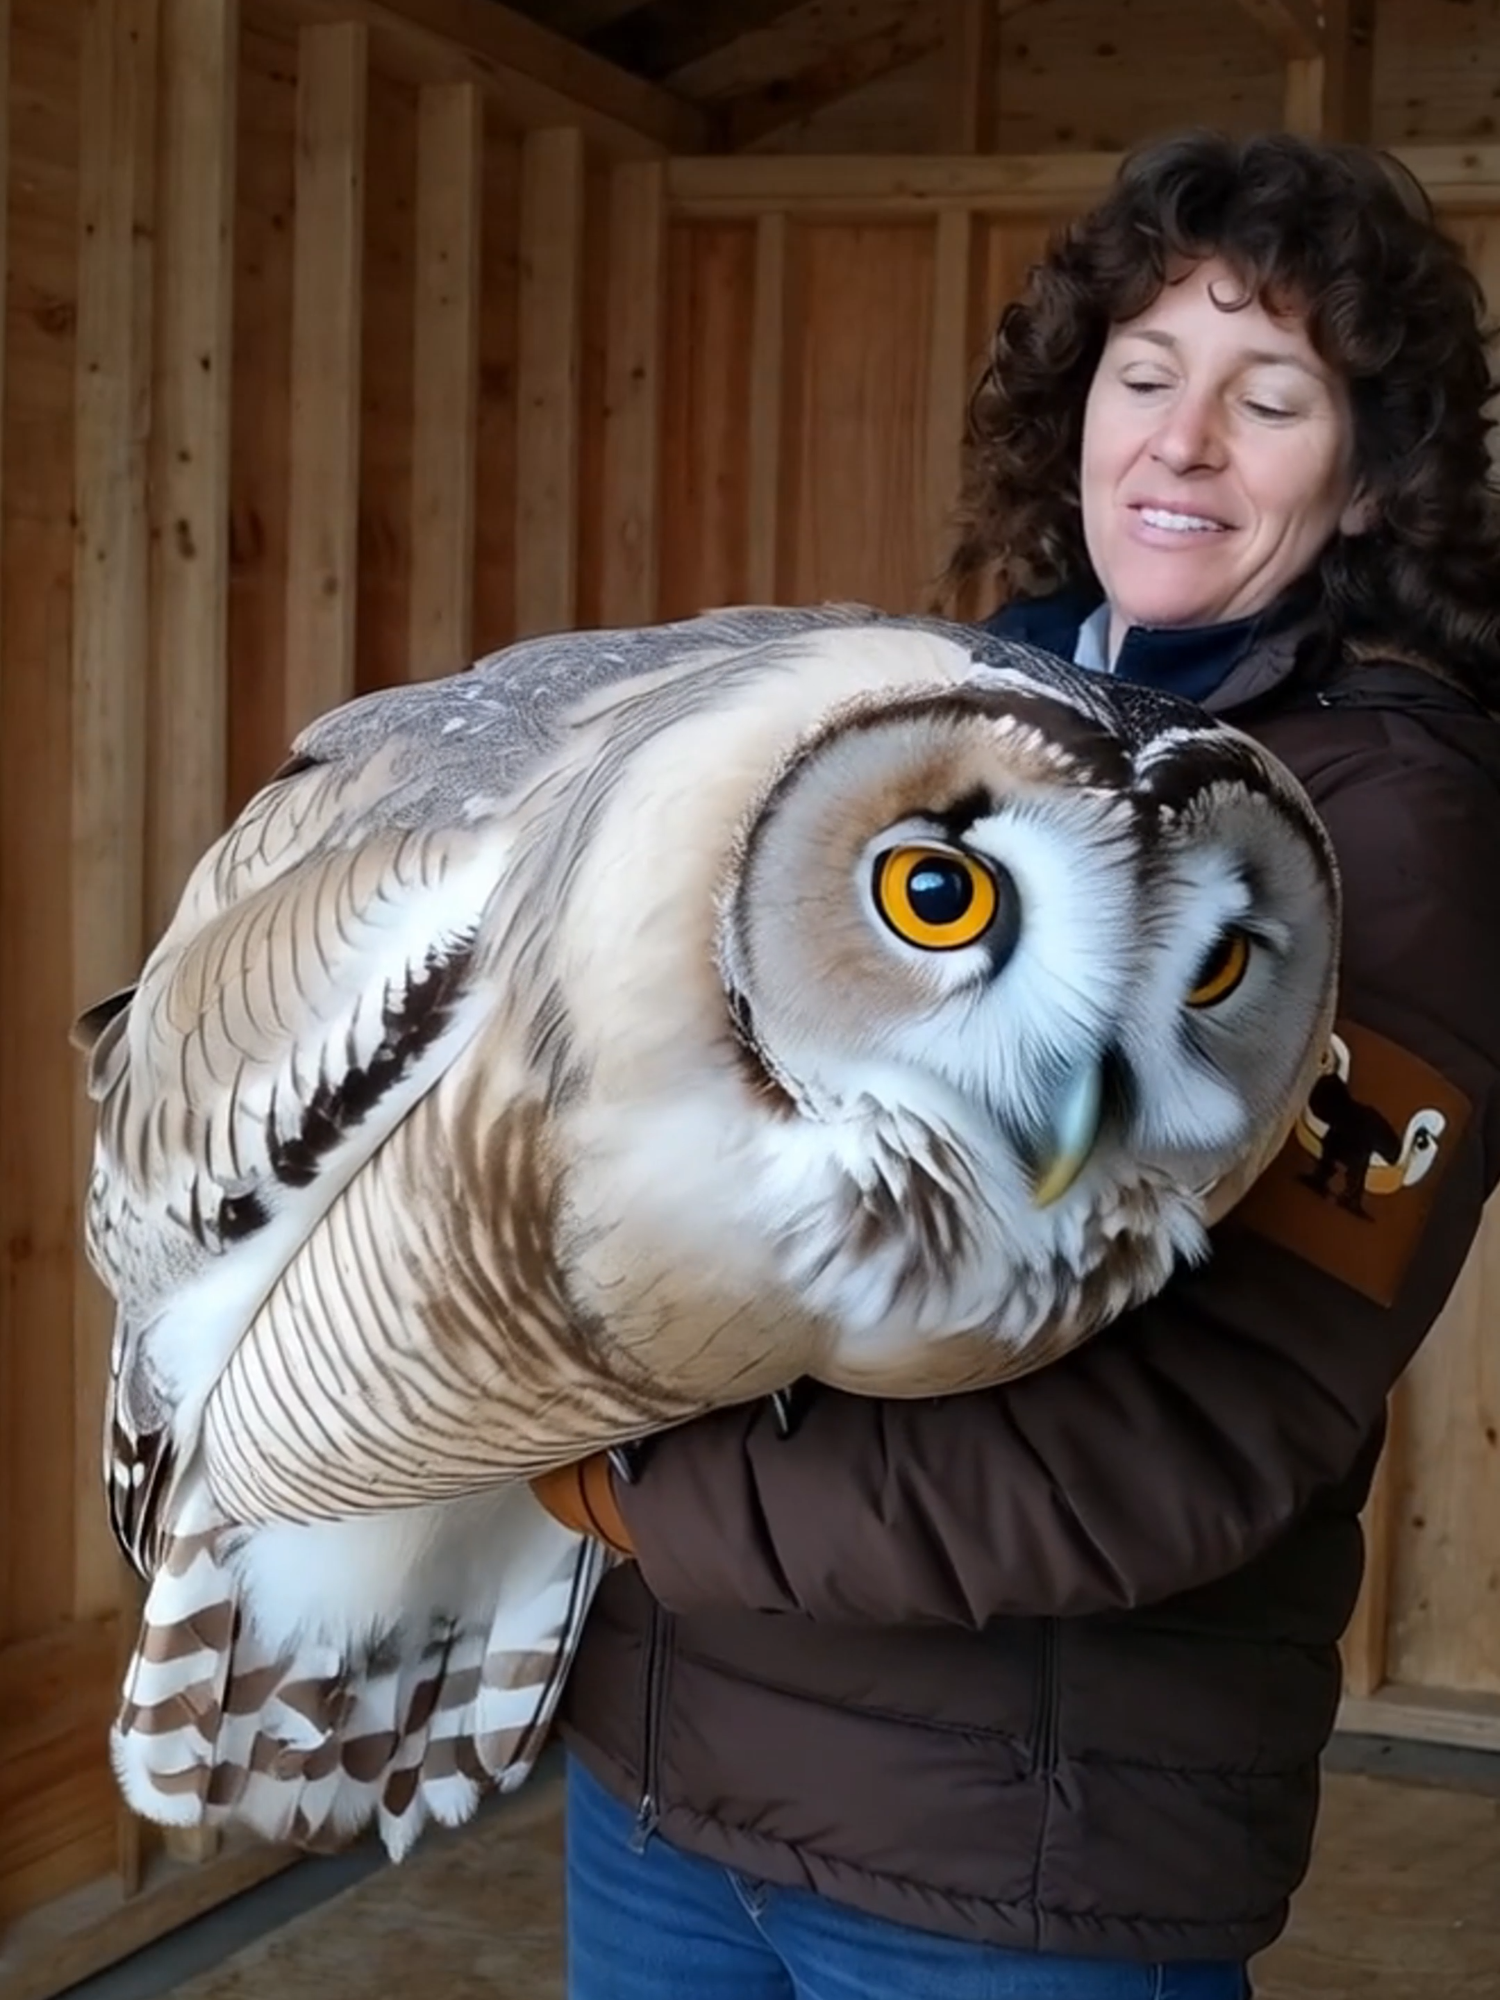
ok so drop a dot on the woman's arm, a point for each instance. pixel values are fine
(1180, 1443)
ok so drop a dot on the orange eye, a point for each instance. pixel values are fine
(1222, 969)
(934, 897)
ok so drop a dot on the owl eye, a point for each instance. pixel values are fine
(934, 897)
(1223, 967)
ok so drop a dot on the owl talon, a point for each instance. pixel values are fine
(626, 1461)
(789, 1405)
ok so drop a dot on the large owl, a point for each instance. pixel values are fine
(636, 1023)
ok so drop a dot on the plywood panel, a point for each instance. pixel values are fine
(859, 523)
(705, 416)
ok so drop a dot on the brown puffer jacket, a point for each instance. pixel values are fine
(1052, 1665)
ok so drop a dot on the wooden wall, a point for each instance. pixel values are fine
(344, 340)
(868, 76)
(295, 352)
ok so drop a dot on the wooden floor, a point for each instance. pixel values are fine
(1403, 1903)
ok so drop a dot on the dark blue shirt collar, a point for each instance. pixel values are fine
(1191, 661)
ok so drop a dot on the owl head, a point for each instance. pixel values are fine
(1087, 934)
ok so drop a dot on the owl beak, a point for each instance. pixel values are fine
(1069, 1139)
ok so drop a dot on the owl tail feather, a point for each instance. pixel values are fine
(309, 1744)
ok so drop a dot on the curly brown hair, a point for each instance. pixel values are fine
(1346, 236)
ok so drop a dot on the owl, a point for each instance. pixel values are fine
(636, 1023)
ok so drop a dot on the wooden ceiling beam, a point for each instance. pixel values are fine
(1295, 26)
(658, 40)
(740, 121)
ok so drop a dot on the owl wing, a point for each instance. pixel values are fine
(315, 981)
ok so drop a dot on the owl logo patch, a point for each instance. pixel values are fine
(1352, 1188)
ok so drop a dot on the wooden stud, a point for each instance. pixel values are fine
(1331, 95)
(111, 632)
(190, 473)
(328, 257)
(967, 100)
(553, 197)
(1295, 26)
(1302, 96)
(947, 379)
(633, 392)
(450, 141)
(768, 361)
(1349, 65)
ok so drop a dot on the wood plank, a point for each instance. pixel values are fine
(328, 264)
(191, 430)
(111, 635)
(1302, 98)
(1464, 178)
(706, 423)
(38, 1070)
(858, 524)
(1349, 70)
(1366, 1642)
(58, 1684)
(260, 443)
(1444, 1615)
(495, 422)
(633, 393)
(968, 99)
(1294, 26)
(538, 78)
(1425, 1715)
(79, 1934)
(949, 367)
(766, 521)
(553, 195)
(388, 387)
(853, 184)
(752, 115)
(450, 141)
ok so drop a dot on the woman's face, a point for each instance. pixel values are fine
(1217, 457)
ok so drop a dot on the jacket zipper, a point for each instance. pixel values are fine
(654, 1678)
(1044, 1738)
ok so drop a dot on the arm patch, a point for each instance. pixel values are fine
(1351, 1190)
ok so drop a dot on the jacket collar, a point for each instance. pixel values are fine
(1228, 666)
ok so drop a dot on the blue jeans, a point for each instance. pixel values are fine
(663, 1925)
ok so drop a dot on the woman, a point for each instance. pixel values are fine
(1023, 1692)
